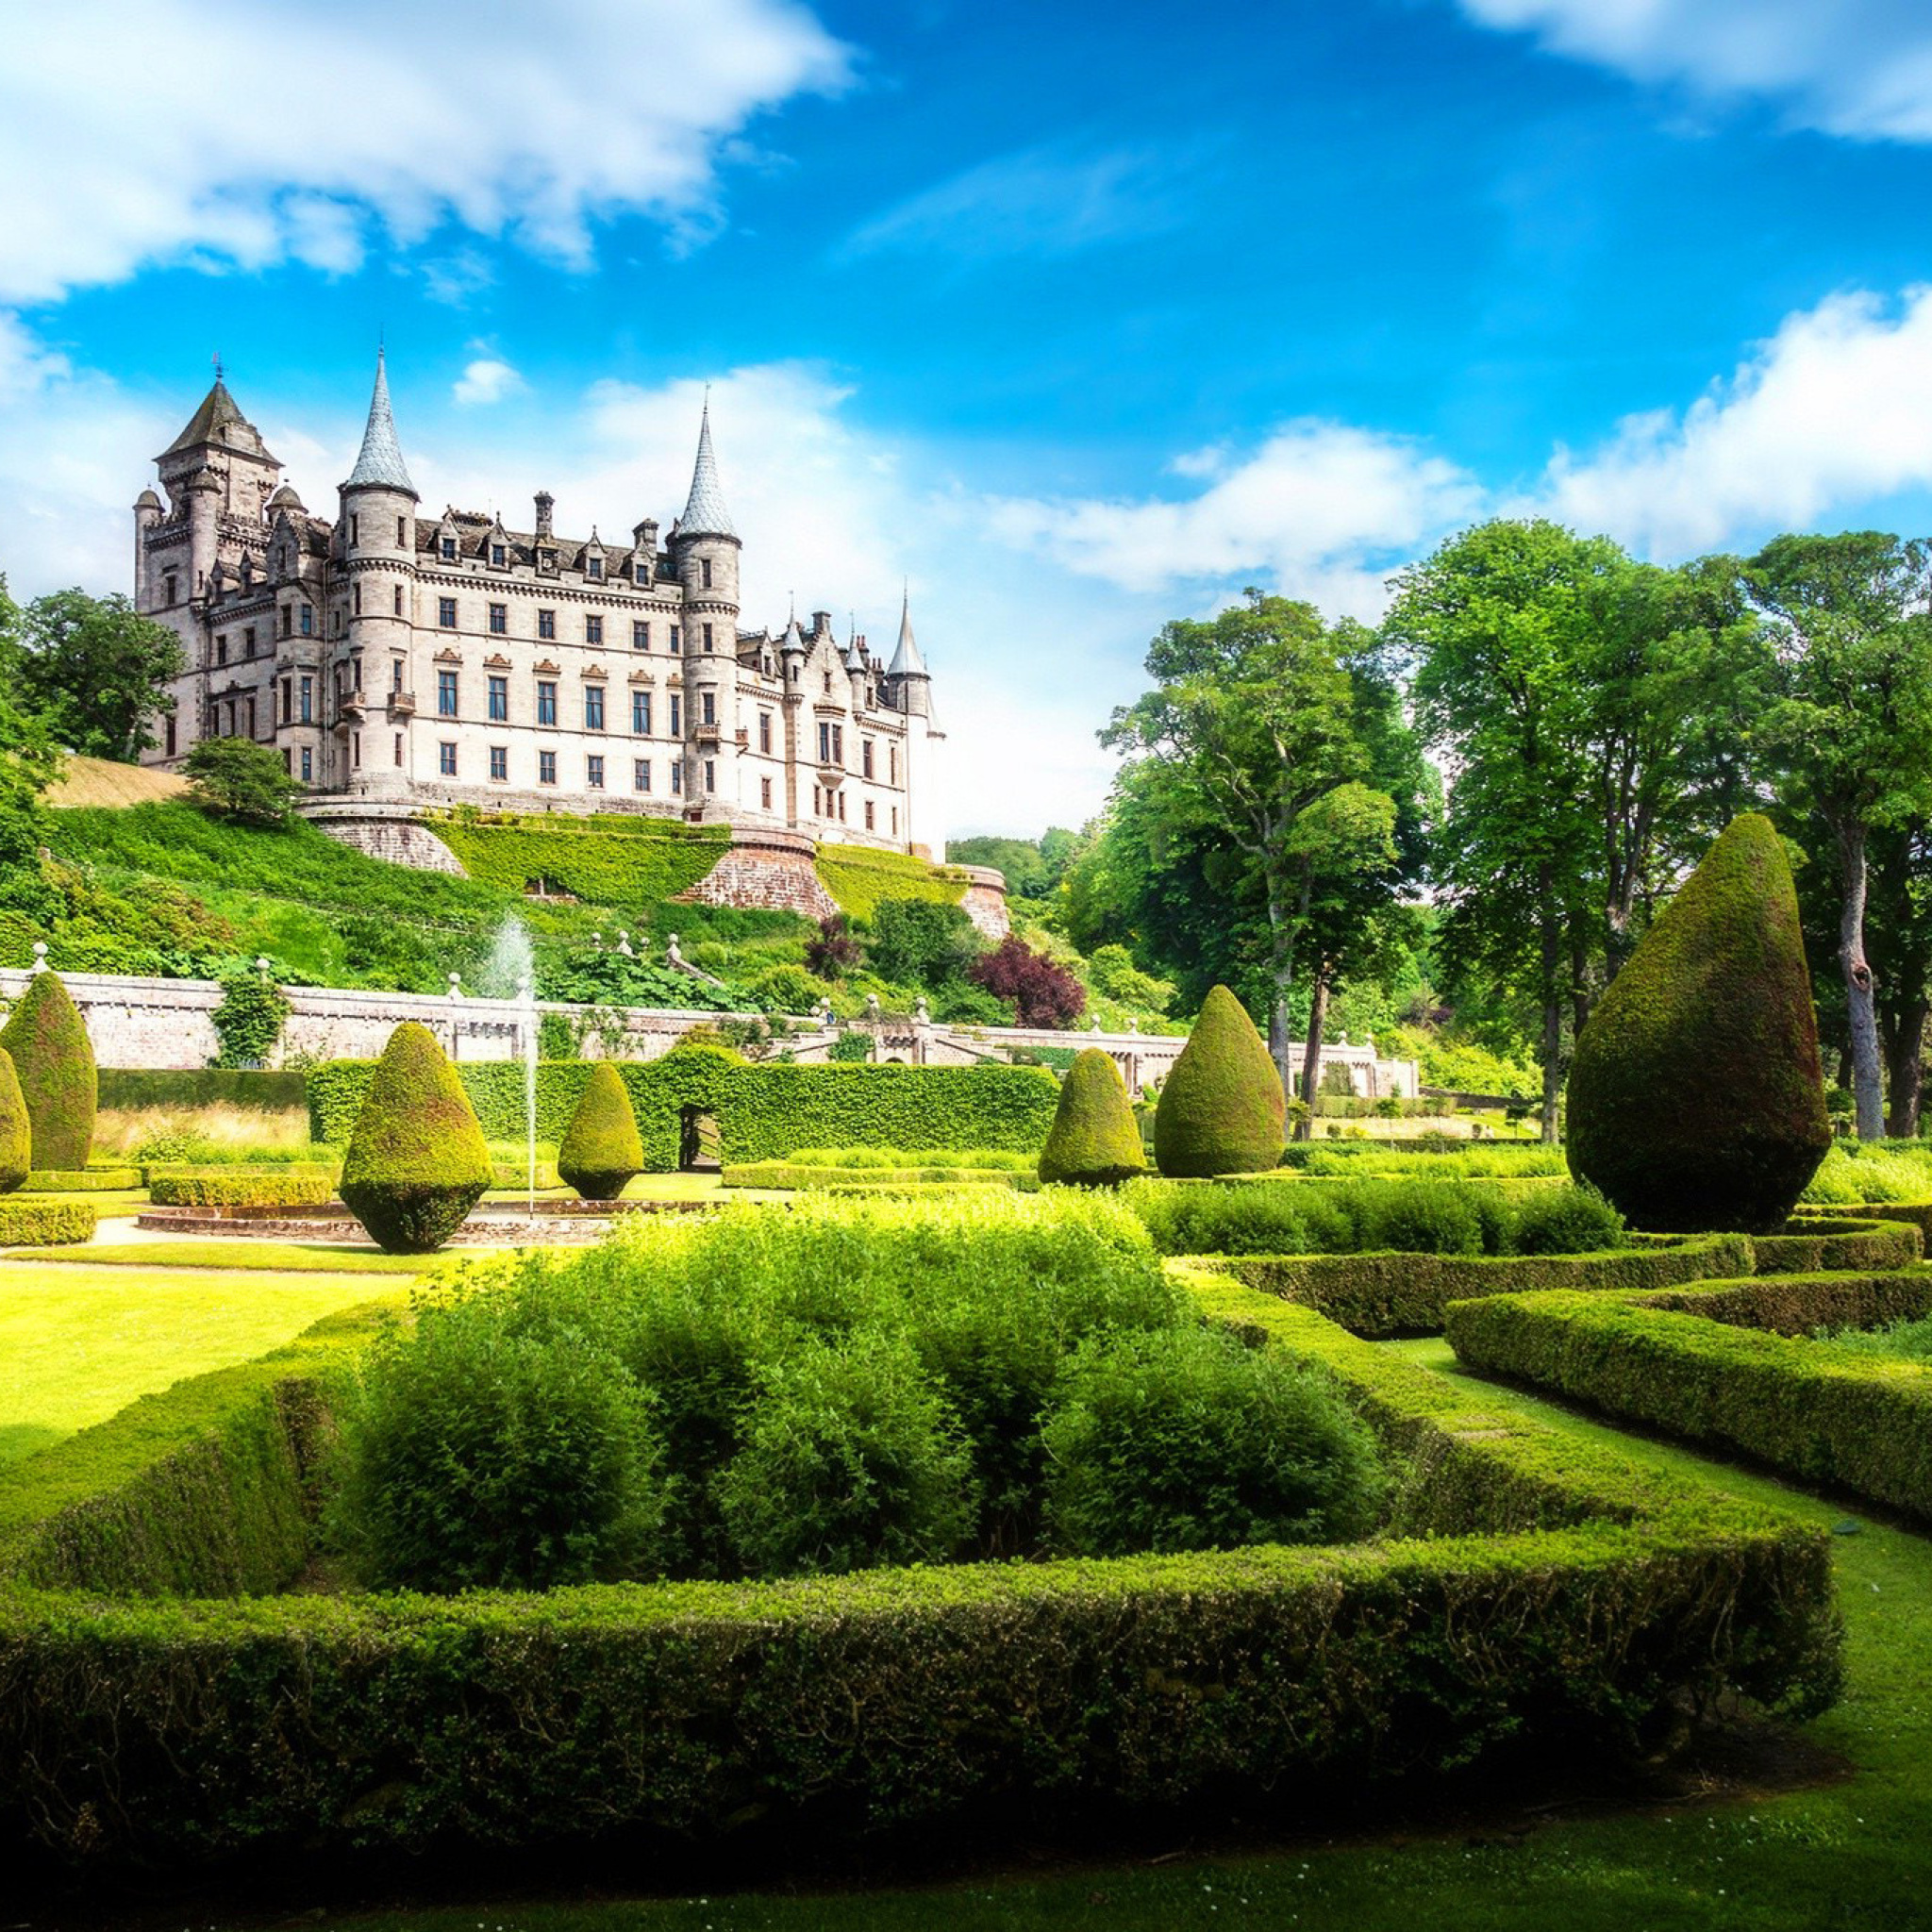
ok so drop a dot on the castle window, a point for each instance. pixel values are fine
(593, 772)
(356, 670)
(704, 567)
(841, 807)
(395, 673)
(594, 569)
(396, 599)
(496, 555)
(499, 699)
(288, 699)
(708, 707)
(171, 735)
(593, 707)
(288, 762)
(828, 684)
(868, 815)
(307, 624)
(895, 822)
(639, 637)
(641, 713)
(893, 764)
(248, 641)
(546, 624)
(677, 774)
(402, 533)
(308, 706)
(765, 732)
(449, 550)
(446, 613)
(356, 750)
(220, 650)
(676, 715)
(865, 756)
(641, 774)
(817, 802)
(765, 794)
(499, 620)
(446, 759)
(499, 762)
(710, 775)
(171, 588)
(707, 637)
(546, 768)
(546, 701)
(307, 764)
(251, 715)
(355, 529)
(594, 630)
(288, 615)
(677, 638)
(356, 599)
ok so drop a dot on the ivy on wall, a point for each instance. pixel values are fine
(859, 877)
(249, 1019)
(608, 861)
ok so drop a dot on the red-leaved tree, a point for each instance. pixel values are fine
(1042, 994)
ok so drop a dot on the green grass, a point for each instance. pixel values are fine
(227, 1253)
(1847, 1855)
(79, 1343)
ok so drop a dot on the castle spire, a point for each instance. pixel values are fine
(380, 462)
(705, 515)
(907, 663)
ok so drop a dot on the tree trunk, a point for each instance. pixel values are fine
(1866, 1089)
(1311, 1052)
(1904, 1058)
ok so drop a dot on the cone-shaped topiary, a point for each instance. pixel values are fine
(1094, 1142)
(16, 1138)
(416, 1161)
(1220, 1110)
(601, 1150)
(54, 1062)
(1696, 1098)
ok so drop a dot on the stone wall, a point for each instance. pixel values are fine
(985, 902)
(384, 832)
(770, 872)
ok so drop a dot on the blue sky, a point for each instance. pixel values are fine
(1076, 318)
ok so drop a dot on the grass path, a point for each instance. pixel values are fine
(1855, 1853)
(79, 1343)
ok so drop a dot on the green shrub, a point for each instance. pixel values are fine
(1184, 1440)
(16, 1138)
(489, 1451)
(1696, 1099)
(249, 1019)
(236, 1188)
(416, 1163)
(1565, 1221)
(601, 1152)
(1854, 1174)
(45, 1224)
(86, 1180)
(1094, 1142)
(1220, 1108)
(1418, 1217)
(787, 990)
(54, 1062)
(851, 1461)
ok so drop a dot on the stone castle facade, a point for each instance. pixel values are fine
(399, 661)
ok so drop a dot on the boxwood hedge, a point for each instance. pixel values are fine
(763, 1111)
(45, 1223)
(281, 1187)
(1534, 1585)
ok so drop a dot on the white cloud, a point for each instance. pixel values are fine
(1858, 68)
(1321, 511)
(486, 380)
(1835, 409)
(159, 133)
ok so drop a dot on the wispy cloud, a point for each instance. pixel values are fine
(1858, 68)
(1042, 200)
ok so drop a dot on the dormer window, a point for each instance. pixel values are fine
(594, 569)
(546, 559)
(496, 555)
(449, 550)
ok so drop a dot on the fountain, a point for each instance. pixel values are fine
(526, 1002)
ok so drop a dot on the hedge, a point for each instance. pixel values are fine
(763, 1111)
(286, 1186)
(1731, 1367)
(45, 1223)
(137, 1090)
(621, 862)
(1917, 1213)
(784, 1174)
(1814, 1246)
(1383, 1294)
(859, 877)
(82, 1180)
(1534, 1585)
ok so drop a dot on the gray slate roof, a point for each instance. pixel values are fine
(381, 460)
(907, 663)
(705, 515)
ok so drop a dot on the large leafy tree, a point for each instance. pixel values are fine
(98, 671)
(1849, 732)
(237, 778)
(1257, 758)
(27, 758)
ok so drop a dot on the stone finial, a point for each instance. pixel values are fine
(921, 1012)
(1134, 1026)
(40, 964)
(455, 986)
(1096, 1026)
(261, 964)
(672, 956)
(872, 1005)
(1341, 1040)
(526, 988)
(623, 943)
(597, 942)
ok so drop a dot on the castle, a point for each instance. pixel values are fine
(399, 661)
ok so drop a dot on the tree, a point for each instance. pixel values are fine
(237, 778)
(1850, 726)
(98, 671)
(1252, 725)
(921, 942)
(1042, 994)
(27, 758)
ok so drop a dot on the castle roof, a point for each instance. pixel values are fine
(219, 420)
(705, 515)
(380, 464)
(907, 663)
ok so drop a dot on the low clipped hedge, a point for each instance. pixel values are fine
(137, 1090)
(763, 1111)
(1531, 1584)
(82, 1180)
(1919, 1213)
(785, 1173)
(287, 1187)
(45, 1224)
(1731, 1366)
(1388, 1294)
(1814, 1244)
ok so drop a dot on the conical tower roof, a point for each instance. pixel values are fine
(380, 462)
(793, 639)
(219, 420)
(907, 663)
(705, 515)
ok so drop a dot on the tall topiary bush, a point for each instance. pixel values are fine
(16, 1139)
(1094, 1142)
(601, 1149)
(54, 1062)
(417, 1161)
(1696, 1100)
(1221, 1110)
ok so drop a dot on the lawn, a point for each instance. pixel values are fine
(79, 1343)
(227, 1253)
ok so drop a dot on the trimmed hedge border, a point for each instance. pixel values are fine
(240, 1187)
(763, 1111)
(81, 1180)
(1530, 1582)
(45, 1224)
(782, 1173)
(1917, 1213)
(1826, 1244)
(134, 1090)
(1729, 1365)
(1381, 1295)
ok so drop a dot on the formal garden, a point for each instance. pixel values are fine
(982, 1481)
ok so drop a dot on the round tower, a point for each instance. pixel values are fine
(705, 553)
